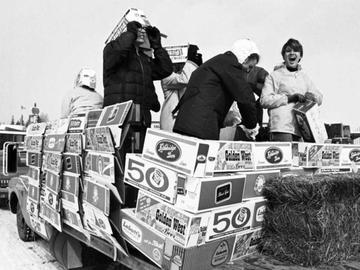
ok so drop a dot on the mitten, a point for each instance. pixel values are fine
(154, 37)
(133, 27)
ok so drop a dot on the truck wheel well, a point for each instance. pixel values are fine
(13, 203)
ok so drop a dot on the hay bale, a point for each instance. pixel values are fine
(312, 220)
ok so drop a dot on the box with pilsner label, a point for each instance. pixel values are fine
(196, 157)
(272, 155)
(204, 194)
(183, 227)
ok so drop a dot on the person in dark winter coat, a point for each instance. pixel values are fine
(128, 72)
(212, 89)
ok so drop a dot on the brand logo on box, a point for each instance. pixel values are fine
(75, 123)
(157, 179)
(242, 216)
(354, 155)
(168, 150)
(131, 230)
(273, 155)
(259, 184)
(222, 193)
(51, 142)
(221, 254)
(156, 255)
(260, 213)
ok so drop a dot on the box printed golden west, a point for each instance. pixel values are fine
(52, 162)
(36, 129)
(195, 157)
(319, 155)
(183, 227)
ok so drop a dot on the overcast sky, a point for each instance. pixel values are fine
(44, 43)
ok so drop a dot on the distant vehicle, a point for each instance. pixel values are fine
(11, 137)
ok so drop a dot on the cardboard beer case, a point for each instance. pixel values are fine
(77, 123)
(99, 139)
(72, 163)
(245, 244)
(272, 155)
(52, 199)
(312, 128)
(92, 117)
(33, 159)
(39, 226)
(178, 54)
(58, 126)
(114, 117)
(100, 164)
(151, 177)
(230, 220)
(95, 220)
(51, 216)
(54, 142)
(183, 227)
(350, 155)
(195, 157)
(52, 162)
(204, 194)
(33, 198)
(53, 181)
(33, 143)
(140, 235)
(73, 143)
(72, 218)
(259, 211)
(36, 129)
(34, 173)
(319, 155)
(255, 181)
(96, 195)
(205, 257)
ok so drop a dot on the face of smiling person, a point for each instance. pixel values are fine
(141, 36)
(291, 58)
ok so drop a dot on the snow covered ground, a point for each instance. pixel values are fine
(16, 254)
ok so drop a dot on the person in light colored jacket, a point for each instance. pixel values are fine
(83, 97)
(285, 86)
(174, 86)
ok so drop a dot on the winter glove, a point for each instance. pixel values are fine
(310, 96)
(154, 37)
(133, 27)
(250, 133)
(296, 98)
(193, 55)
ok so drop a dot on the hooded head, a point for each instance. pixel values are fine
(243, 48)
(86, 77)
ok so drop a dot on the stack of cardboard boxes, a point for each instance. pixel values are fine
(200, 202)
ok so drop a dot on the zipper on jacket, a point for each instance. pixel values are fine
(143, 82)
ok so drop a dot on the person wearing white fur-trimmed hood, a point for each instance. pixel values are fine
(82, 97)
(283, 88)
(212, 89)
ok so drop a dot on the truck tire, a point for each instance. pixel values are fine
(24, 231)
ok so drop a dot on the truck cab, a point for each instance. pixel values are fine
(11, 143)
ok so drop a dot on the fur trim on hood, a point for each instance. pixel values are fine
(243, 48)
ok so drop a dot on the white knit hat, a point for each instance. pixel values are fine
(243, 48)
